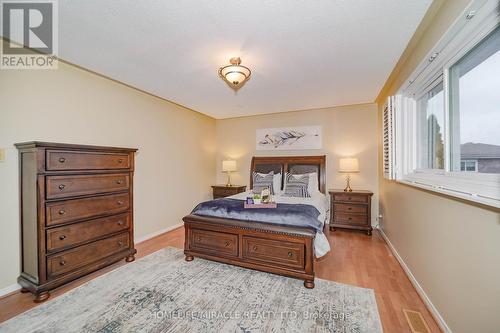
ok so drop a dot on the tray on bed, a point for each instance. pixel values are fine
(261, 205)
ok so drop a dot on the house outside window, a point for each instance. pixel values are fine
(486, 157)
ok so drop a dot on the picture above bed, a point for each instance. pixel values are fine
(289, 138)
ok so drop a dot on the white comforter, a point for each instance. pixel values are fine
(318, 200)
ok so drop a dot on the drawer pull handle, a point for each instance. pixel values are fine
(120, 243)
(119, 222)
(226, 243)
(62, 262)
(62, 212)
(350, 218)
(62, 237)
(119, 182)
(198, 239)
(62, 186)
(119, 202)
(62, 160)
(290, 254)
(120, 160)
(350, 208)
(255, 247)
(349, 198)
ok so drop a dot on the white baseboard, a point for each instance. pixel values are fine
(156, 233)
(432, 309)
(9, 289)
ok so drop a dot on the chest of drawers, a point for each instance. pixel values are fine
(76, 212)
(350, 210)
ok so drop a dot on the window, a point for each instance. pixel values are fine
(430, 126)
(446, 116)
(468, 165)
(475, 107)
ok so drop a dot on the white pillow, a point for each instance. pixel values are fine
(313, 182)
(313, 185)
(276, 182)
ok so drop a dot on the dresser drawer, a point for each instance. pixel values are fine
(223, 192)
(69, 210)
(351, 198)
(82, 160)
(212, 241)
(83, 255)
(67, 186)
(274, 253)
(355, 219)
(74, 234)
(349, 208)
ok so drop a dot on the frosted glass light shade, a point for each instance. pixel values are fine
(235, 74)
(228, 166)
(348, 165)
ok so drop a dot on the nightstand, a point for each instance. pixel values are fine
(351, 210)
(222, 191)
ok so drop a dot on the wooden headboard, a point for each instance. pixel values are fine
(291, 164)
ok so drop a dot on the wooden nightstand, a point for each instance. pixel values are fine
(222, 191)
(351, 210)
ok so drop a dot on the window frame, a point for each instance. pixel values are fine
(418, 97)
(462, 37)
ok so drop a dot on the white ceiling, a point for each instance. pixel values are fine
(303, 54)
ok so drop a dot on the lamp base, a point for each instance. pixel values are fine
(348, 189)
(228, 184)
(348, 185)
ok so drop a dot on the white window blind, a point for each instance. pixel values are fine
(388, 138)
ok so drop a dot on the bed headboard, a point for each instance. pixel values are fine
(291, 164)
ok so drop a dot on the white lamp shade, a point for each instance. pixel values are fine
(228, 165)
(348, 165)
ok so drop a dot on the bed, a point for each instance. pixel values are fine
(284, 249)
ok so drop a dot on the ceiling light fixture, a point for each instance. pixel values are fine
(235, 75)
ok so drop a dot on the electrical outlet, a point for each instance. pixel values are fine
(2, 154)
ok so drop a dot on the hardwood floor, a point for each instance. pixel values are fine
(355, 259)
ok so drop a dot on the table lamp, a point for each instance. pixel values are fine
(348, 166)
(228, 166)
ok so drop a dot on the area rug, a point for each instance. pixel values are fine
(164, 293)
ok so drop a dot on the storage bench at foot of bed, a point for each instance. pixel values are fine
(274, 249)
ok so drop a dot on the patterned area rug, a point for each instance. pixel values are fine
(164, 293)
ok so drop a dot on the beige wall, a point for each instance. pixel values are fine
(347, 131)
(175, 164)
(452, 247)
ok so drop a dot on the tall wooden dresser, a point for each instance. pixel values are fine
(76, 212)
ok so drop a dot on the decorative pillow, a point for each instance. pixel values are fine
(261, 181)
(296, 185)
(313, 186)
(276, 181)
